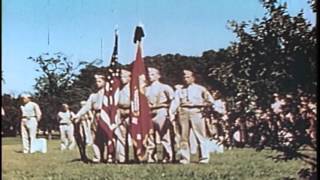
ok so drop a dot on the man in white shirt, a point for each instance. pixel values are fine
(31, 115)
(159, 97)
(191, 99)
(101, 136)
(66, 128)
(124, 114)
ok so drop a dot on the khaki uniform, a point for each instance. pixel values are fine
(31, 114)
(86, 124)
(159, 97)
(124, 112)
(190, 100)
(94, 103)
(66, 130)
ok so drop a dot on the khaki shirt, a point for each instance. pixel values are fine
(191, 96)
(159, 94)
(94, 102)
(124, 96)
(30, 110)
(65, 117)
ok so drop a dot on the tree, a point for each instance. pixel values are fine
(276, 53)
(53, 86)
(11, 121)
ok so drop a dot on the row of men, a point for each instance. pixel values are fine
(265, 127)
(180, 108)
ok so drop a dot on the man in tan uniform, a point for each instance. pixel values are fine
(159, 97)
(31, 115)
(66, 127)
(84, 132)
(94, 103)
(191, 99)
(86, 125)
(124, 112)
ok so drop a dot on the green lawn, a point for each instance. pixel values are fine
(243, 164)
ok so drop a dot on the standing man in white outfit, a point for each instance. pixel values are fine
(191, 99)
(122, 153)
(66, 128)
(159, 97)
(31, 115)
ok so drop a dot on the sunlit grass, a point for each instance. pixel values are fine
(232, 164)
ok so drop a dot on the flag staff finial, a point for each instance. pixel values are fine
(138, 34)
(116, 29)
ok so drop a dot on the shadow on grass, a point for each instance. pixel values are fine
(18, 151)
(86, 161)
(130, 162)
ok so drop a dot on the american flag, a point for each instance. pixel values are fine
(110, 98)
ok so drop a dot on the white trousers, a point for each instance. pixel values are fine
(86, 124)
(28, 133)
(163, 128)
(192, 118)
(67, 137)
(121, 138)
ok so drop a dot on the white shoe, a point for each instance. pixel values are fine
(151, 160)
(204, 161)
(184, 161)
(110, 159)
(95, 160)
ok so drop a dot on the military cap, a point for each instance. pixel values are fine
(25, 95)
(66, 105)
(83, 102)
(125, 72)
(99, 76)
(154, 70)
(187, 72)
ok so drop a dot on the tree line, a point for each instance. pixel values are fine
(275, 53)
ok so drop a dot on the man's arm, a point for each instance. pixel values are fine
(207, 97)
(38, 111)
(175, 103)
(84, 109)
(169, 92)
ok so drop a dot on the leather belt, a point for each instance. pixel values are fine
(97, 111)
(64, 124)
(28, 117)
(159, 107)
(192, 107)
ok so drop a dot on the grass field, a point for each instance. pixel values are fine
(243, 164)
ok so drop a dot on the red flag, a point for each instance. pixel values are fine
(110, 99)
(141, 123)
